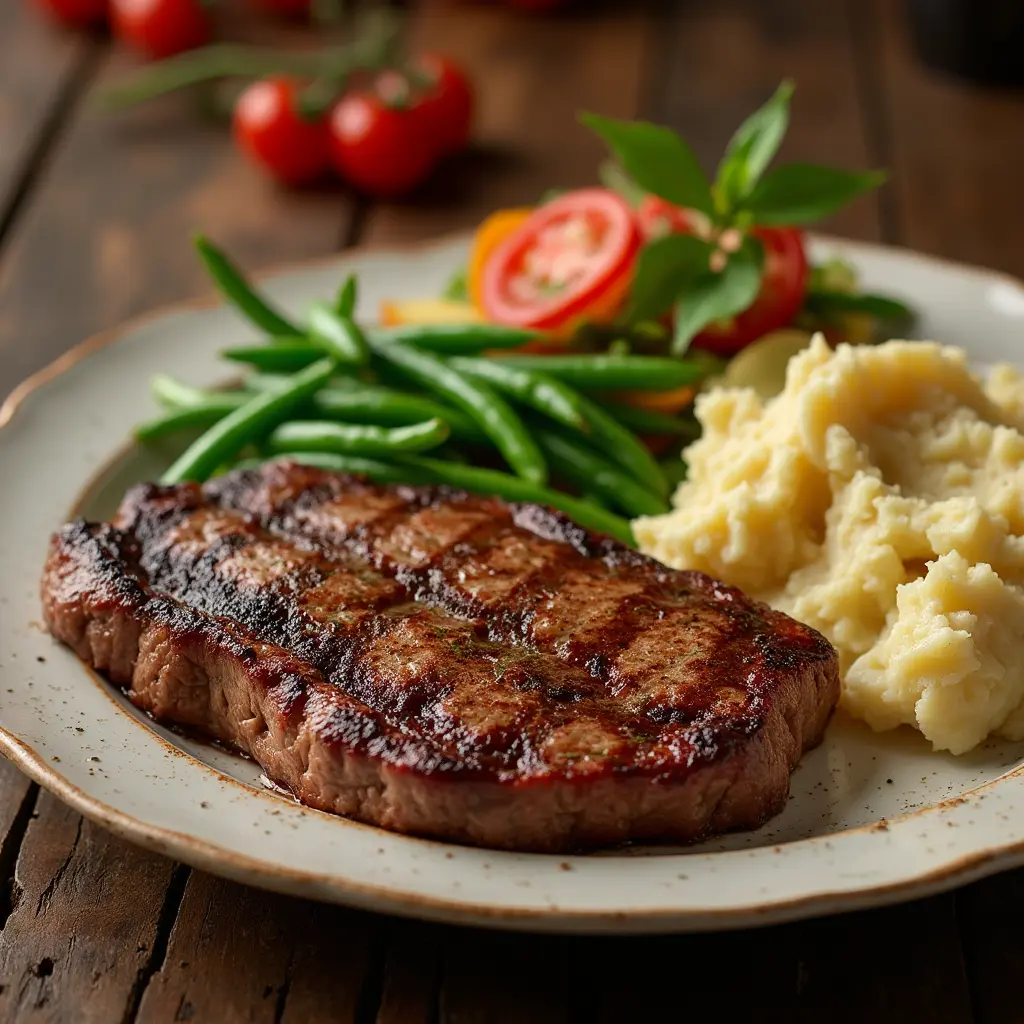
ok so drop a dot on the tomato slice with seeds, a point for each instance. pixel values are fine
(571, 259)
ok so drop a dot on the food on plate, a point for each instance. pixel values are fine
(493, 416)
(880, 499)
(442, 664)
(661, 258)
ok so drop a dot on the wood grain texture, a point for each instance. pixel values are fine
(534, 74)
(500, 978)
(107, 231)
(239, 954)
(955, 149)
(900, 963)
(722, 59)
(84, 921)
(989, 915)
(411, 975)
(40, 65)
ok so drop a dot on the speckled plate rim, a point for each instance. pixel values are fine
(914, 855)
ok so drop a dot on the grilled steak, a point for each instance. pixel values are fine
(442, 664)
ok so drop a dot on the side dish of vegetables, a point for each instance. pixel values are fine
(562, 364)
(376, 401)
(661, 258)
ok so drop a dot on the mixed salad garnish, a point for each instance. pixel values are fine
(561, 365)
(663, 260)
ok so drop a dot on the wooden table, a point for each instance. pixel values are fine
(95, 216)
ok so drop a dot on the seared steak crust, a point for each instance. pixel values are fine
(443, 664)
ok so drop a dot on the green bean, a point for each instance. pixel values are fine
(185, 418)
(387, 408)
(350, 438)
(175, 394)
(260, 414)
(623, 447)
(337, 335)
(537, 390)
(610, 372)
(454, 339)
(348, 293)
(375, 469)
(491, 412)
(585, 468)
(646, 421)
(514, 488)
(347, 399)
(234, 287)
(566, 405)
(283, 358)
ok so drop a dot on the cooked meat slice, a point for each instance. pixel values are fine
(442, 664)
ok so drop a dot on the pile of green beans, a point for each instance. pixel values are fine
(422, 404)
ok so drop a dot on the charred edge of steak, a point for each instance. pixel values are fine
(306, 698)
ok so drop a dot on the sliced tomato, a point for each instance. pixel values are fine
(571, 260)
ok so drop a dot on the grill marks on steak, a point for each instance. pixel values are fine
(444, 664)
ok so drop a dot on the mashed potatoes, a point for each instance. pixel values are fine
(879, 498)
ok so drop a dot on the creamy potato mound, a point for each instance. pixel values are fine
(880, 499)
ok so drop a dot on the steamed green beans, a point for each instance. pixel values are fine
(584, 468)
(454, 339)
(337, 335)
(261, 413)
(492, 413)
(531, 388)
(357, 439)
(611, 372)
(237, 290)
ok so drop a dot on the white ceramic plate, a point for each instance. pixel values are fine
(872, 818)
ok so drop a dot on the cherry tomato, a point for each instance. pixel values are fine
(446, 107)
(76, 13)
(382, 150)
(268, 127)
(160, 28)
(284, 8)
(783, 288)
(571, 259)
(441, 96)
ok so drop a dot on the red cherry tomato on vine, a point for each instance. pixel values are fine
(783, 286)
(382, 150)
(571, 259)
(439, 93)
(268, 127)
(76, 13)
(160, 28)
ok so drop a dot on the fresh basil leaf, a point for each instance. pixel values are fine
(457, 288)
(657, 159)
(881, 307)
(798, 193)
(716, 297)
(666, 267)
(613, 177)
(753, 147)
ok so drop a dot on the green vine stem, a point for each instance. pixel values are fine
(375, 46)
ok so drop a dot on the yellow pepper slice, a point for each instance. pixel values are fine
(492, 232)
